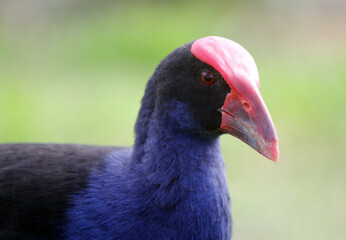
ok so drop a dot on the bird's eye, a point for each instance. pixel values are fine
(207, 78)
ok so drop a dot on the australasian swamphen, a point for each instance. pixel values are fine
(171, 184)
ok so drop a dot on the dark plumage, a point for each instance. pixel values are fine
(170, 185)
(36, 181)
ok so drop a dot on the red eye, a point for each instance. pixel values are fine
(207, 78)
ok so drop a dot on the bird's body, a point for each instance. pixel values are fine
(63, 192)
(170, 185)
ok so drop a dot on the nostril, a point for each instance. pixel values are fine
(246, 105)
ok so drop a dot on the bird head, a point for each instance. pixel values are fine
(218, 79)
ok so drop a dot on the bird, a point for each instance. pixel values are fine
(171, 183)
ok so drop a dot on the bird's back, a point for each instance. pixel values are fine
(36, 182)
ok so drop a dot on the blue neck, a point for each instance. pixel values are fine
(173, 187)
(181, 182)
(174, 159)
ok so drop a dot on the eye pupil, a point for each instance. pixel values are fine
(207, 78)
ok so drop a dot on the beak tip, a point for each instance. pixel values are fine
(272, 152)
(275, 159)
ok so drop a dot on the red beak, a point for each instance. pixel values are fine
(244, 114)
(249, 120)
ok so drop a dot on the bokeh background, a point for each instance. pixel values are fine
(74, 71)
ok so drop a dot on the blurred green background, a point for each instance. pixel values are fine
(75, 71)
